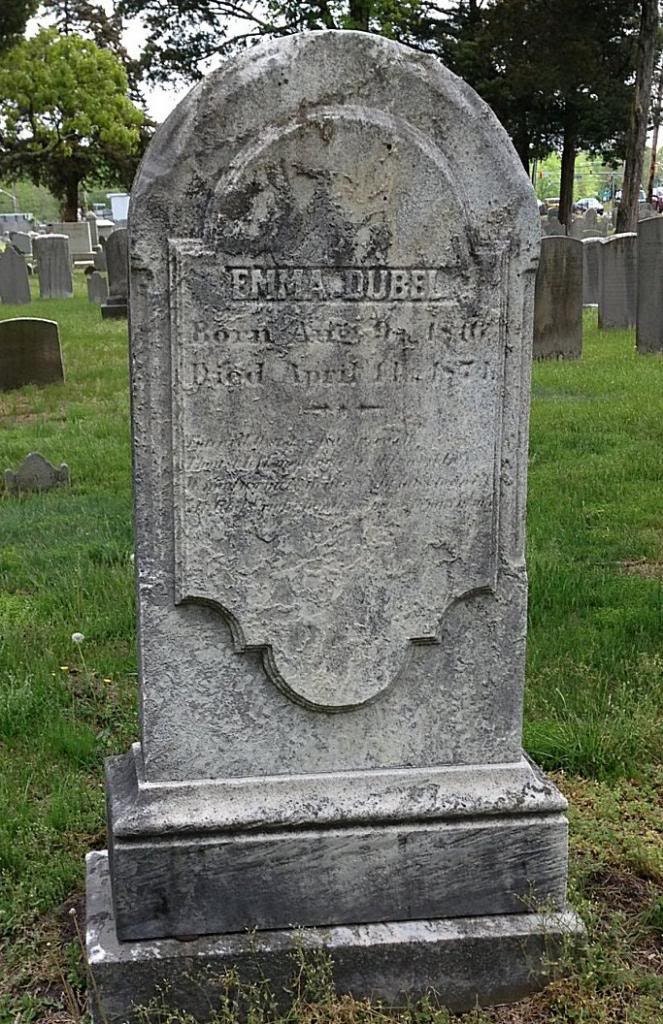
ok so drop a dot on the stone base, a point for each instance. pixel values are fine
(481, 841)
(462, 962)
(114, 310)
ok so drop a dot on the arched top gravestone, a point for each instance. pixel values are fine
(327, 327)
(332, 256)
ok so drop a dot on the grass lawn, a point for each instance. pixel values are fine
(594, 714)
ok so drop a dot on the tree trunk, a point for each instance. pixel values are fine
(521, 144)
(70, 205)
(627, 214)
(359, 14)
(566, 181)
(654, 139)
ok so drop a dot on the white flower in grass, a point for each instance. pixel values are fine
(77, 638)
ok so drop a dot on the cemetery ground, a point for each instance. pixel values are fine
(594, 700)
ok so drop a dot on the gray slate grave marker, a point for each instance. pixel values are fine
(649, 337)
(100, 259)
(331, 351)
(29, 353)
(22, 241)
(117, 263)
(53, 266)
(558, 300)
(91, 218)
(97, 288)
(591, 251)
(14, 279)
(36, 473)
(618, 281)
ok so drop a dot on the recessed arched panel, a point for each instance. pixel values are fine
(337, 347)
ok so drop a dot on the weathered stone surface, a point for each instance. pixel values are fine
(618, 281)
(29, 353)
(36, 474)
(330, 348)
(558, 300)
(472, 867)
(649, 337)
(591, 256)
(464, 962)
(97, 287)
(53, 266)
(14, 280)
(117, 263)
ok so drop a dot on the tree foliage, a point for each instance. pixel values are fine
(91, 21)
(182, 35)
(557, 74)
(14, 16)
(65, 118)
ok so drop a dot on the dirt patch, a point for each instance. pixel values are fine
(644, 569)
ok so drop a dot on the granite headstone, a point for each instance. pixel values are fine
(53, 266)
(29, 353)
(618, 281)
(558, 300)
(330, 346)
(649, 336)
(117, 264)
(14, 280)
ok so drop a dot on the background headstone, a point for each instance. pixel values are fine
(591, 250)
(14, 280)
(618, 281)
(97, 287)
(649, 337)
(29, 353)
(100, 259)
(53, 266)
(331, 357)
(36, 474)
(91, 218)
(558, 300)
(78, 233)
(22, 241)
(117, 264)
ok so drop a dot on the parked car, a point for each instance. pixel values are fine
(590, 203)
(642, 199)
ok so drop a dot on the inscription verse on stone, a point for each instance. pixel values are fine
(334, 495)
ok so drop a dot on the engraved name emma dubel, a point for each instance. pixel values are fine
(398, 326)
(320, 284)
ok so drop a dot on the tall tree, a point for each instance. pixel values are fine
(627, 214)
(657, 107)
(14, 16)
(65, 118)
(553, 83)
